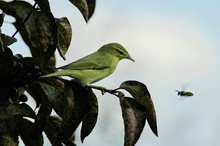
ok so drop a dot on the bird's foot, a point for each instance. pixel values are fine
(101, 88)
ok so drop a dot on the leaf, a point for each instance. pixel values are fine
(134, 117)
(70, 141)
(46, 31)
(42, 115)
(4, 92)
(64, 35)
(11, 126)
(91, 6)
(6, 59)
(54, 89)
(8, 111)
(6, 140)
(69, 101)
(83, 8)
(138, 91)
(142, 96)
(34, 90)
(27, 133)
(73, 118)
(52, 129)
(129, 122)
(7, 40)
(51, 89)
(90, 118)
(62, 99)
(1, 19)
(1, 42)
(140, 115)
(19, 10)
(38, 91)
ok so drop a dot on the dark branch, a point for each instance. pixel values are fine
(25, 20)
(104, 90)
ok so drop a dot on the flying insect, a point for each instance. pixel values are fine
(184, 93)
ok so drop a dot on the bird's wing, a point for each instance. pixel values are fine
(90, 62)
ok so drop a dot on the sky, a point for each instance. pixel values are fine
(174, 44)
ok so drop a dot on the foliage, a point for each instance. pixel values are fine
(72, 103)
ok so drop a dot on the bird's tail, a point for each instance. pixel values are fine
(58, 73)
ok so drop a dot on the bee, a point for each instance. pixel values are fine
(184, 93)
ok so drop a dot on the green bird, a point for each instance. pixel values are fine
(95, 66)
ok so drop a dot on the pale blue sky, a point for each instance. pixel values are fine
(173, 43)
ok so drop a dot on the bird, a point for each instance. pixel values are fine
(94, 67)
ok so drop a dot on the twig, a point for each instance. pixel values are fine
(104, 90)
(25, 20)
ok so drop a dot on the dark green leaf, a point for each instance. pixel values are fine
(51, 89)
(52, 127)
(5, 93)
(70, 141)
(1, 19)
(140, 116)
(54, 89)
(12, 126)
(138, 91)
(15, 110)
(129, 122)
(7, 40)
(6, 59)
(47, 32)
(19, 10)
(69, 100)
(34, 90)
(73, 118)
(64, 35)
(6, 140)
(91, 6)
(69, 103)
(3, 5)
(27, 132)
(152, 121)
(83, 8)
(90, 118)
(63, 103)
(142, 96)
(1, 42)
(134, 119)
(39, 92)
(42, 115)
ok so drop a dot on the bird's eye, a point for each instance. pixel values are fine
(120, 52)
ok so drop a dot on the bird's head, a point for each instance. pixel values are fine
(117, 50)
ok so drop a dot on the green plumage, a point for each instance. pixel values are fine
(95, 66)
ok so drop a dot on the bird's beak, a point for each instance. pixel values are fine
(131, 59)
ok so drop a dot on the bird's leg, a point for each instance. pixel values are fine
(102, 89)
